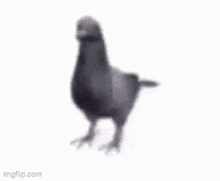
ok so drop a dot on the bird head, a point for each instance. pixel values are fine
(88, 29)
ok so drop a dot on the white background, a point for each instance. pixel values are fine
(172, 133)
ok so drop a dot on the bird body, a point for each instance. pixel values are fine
(92, 83)
(99, 89)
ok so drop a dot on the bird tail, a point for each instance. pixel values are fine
(148, 83)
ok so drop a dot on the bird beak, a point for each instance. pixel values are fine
(81, 34)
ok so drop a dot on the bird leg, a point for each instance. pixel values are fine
(115, 143)
(88, 138)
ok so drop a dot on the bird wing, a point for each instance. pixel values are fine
(125, 88)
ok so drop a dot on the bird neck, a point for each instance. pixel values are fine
(93, 54)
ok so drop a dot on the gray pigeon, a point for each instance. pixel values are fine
(99, 89)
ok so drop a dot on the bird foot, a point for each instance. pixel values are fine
(110, 146)
(81, 141)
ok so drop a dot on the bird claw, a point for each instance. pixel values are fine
(86, 139)
(110, 146)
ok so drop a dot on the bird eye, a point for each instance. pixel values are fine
(79, 27)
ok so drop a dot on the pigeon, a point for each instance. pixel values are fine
(100, 90)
